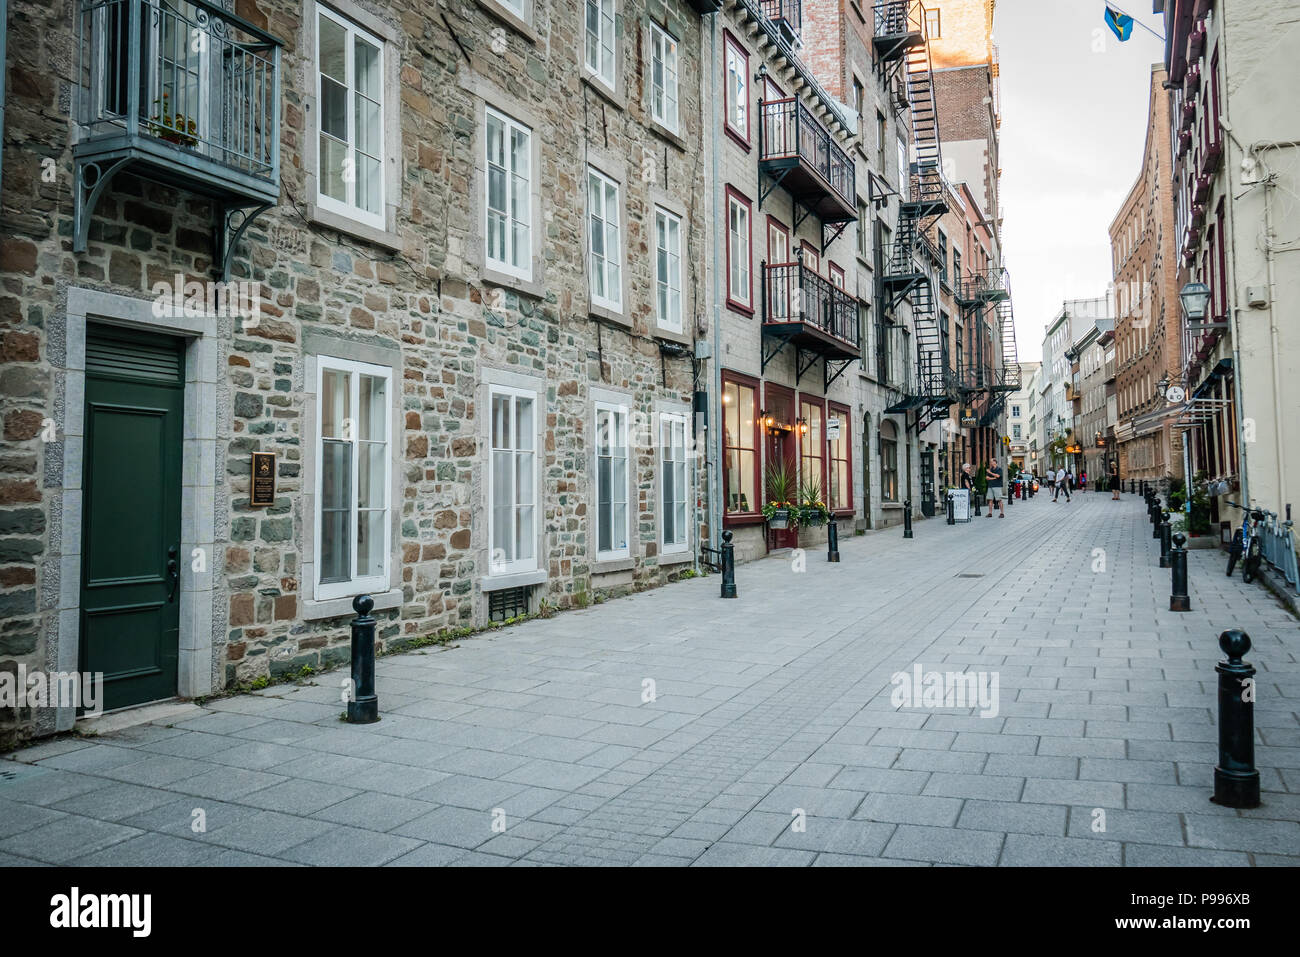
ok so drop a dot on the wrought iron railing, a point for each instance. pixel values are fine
(791, 11)
(794, 293)
(183, 72)
(788, 130)
(898, 16)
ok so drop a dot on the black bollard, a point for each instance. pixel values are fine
(952, 511)
(1156, 511)
(1165, 540)
(1236, 780)
(1178, 597)
(907, 518)
(832, 542)
(363, 704)
(1132, 487)
(976, 499)
(728, 565)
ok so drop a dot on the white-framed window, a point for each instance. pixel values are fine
(673, 492)
(663, 78)
(605, 243)
(512, 481)
(353, 477)
(738, 251)
(350, 96)
(508, 188)
(612, 513)
(599, 45)
(737, 91)
(668, 269)
(902, 167)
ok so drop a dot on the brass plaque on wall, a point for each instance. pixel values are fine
(261, 491)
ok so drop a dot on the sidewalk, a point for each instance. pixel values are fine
(542, 744)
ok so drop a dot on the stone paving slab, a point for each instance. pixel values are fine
(771, 740)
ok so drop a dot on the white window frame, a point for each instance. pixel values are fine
(740, 284)
(613, 302)
(607, 19)
(354, 585)
(667, 422)
(673, 254)
(619, 410)
(665, 90)
(510, 127)
(348, 208)
(496, 567)
(737, 91)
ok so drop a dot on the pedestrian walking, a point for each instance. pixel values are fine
(1114, 482)
(1083, 480)
(993, 479)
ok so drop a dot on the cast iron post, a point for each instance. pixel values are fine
(907, 518)
(1178, 597)
(832, 542)
(1236, 780)
(1165, 540)
(363, 704)
(728, 565)
(952, 514)
(1155, 518)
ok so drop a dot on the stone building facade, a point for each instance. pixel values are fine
(450, 305)
(426, 301)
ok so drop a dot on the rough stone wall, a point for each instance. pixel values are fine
(426, 299)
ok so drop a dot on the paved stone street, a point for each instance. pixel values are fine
(763, 708)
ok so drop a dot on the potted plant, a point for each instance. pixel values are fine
(779, 509)
(173, 127)
(1199, 518)
(812, 510)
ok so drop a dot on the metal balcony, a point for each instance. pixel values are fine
(786, 14)
(800, 154)
(184, 93)
(813, 315)
(897, 26)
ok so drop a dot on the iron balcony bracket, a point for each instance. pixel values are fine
(92, 180)
(828, 378)
(228, 229)
(771, 352)
(775, 180)
(832, 232)
(803, 361)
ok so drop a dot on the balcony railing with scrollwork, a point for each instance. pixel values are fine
(794, 293)
(184, 77)
(788, 130)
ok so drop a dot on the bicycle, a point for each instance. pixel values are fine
(1246, 546)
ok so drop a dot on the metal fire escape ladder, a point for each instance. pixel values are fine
(1008, 376)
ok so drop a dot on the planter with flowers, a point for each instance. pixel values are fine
(173, 127)
(780, 510)
(813, 512)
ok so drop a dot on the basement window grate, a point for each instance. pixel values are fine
(508, 603)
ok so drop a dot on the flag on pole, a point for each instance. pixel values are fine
(1121, 24)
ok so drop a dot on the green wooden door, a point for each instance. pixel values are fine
(131, 513)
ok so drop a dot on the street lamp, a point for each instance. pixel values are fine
(1195, 297)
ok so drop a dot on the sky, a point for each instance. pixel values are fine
(1074, 118)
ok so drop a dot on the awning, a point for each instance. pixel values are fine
(1221, 368)
(1154, 421)
(1199, 411)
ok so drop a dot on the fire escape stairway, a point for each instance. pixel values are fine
(1008, 376)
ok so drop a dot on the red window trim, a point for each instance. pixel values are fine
(842, 412)
(744, 308)
(816, 253)
(800, 400)
(754, 516)
(773, 221)
(741, 137)
(831, 270)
